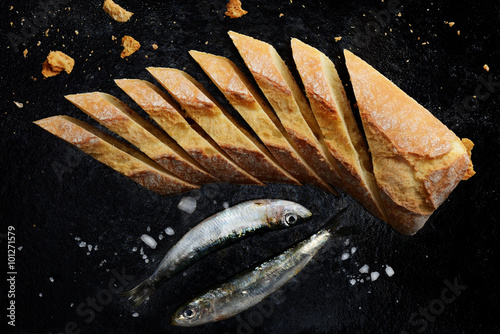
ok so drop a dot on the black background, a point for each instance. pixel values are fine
(52, 193)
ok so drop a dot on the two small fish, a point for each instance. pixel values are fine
(248, 288)
(216, 232)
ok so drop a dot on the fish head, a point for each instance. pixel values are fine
(194, 313)
(281, 213)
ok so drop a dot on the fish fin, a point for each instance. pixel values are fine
(141, 292)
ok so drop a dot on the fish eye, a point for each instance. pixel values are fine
(291, 218)
(189, 312)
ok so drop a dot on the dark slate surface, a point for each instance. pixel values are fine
(53, 194)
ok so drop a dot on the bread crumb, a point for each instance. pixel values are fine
(57, 62)
(130, 45)
(451, 24)
(25, 53)
(76, 32)
(399, 14)
(281, 14)
(338, 38)
(47, 33)
(113, 38)
(18, 104)
(458, 32)
(468, 147)
(486, 67)
(234, 9)
(116, 12)
(155, 47)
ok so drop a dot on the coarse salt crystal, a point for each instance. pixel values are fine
(352, 281)
(40, 294)
(89, 247)
(82, 244)
(148, 229)
(225, 205)
(147, 260)
(149, 241)
(134, 249)
(353, 250)
(160, 237)
(20, 247)
(51, 279)
(169, 231)
(389, 271)
(187, 204)
(364, 269)
(344, 256)
(135, 314)
(374, 275)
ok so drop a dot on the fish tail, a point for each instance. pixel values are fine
(141, 292)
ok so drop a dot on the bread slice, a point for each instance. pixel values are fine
(289, 103)
(258, 114)
(417, 160)
(162, 108)
(119, 118)
(338, 125)
(231, 137)
(116, 155)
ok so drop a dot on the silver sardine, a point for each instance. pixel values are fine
(216, 232)
(249, 288)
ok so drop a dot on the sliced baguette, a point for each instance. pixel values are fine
(119, 118)
(240, 145)
(200, 146)
(258, 114)
(338, 125)
(116, 155)
(417, 160)
(289, 103)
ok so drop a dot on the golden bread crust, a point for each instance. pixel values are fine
(258, 114)
(115, 154)
(336, 120)
(237, 142)
(284, 95)
(417, 160)
(119, 118)
(163, 109)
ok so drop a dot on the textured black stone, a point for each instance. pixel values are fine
(88, 200)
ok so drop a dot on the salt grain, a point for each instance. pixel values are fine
(225, 205)
(135, 314)
(40, 294)
(169, 231)
(82, 244)
(364, 269)
(389, 271)
(149, 241)
(20, 247)
(51, 279)
(160, 237)
(353, 250)
(134, 249)
(187, 204)
(374, 275)
(89, 247)
(352, 281)
(344, 256)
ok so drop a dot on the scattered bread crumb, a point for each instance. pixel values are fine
(234, 9)
(338, 38)
(130, 45)
(76, 32)
(486, 67)
(451, 24)
(155, 47)
(113, 38)
(38, 43)
(57, 62)
(281, 14)
(116, 12)
(399, 14)
(458, 32)
(25, 53)
(468, 146)
(18, 104)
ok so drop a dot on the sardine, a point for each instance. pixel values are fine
(216, 232)
(250, 287)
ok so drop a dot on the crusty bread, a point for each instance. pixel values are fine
(289, 103)
(417, 160)
(116, 155)
(162, 108)
(119, 118)
(258, 114)
(245, 150)
(338, 125)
